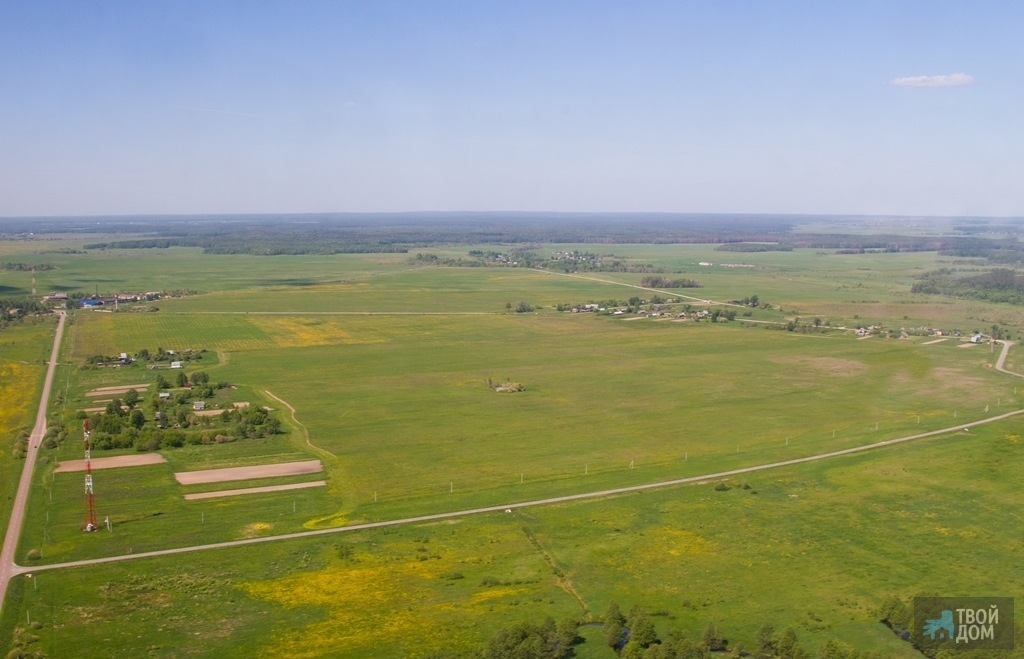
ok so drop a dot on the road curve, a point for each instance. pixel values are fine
(8, 568)
(1002, 358)
(522, 504)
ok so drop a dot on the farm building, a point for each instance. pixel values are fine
(199, 405)
(175, 364)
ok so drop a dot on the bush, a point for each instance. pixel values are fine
(722, 487)
(33, 555)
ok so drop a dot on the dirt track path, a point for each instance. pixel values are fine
(299, 424)
(8, 568)
(1002, 359)
(522, 504)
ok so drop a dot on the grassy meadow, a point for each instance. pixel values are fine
(24, 349)
(386, 363)
(816, 548)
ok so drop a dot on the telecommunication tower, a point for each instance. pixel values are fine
(90, 504)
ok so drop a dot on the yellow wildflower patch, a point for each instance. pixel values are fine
(678, 542)
(16, 392)
(368, 605)
(253, 530)
(302, 331)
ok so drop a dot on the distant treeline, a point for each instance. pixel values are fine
(664, 282)
(257, 245)
(404, 232)
(26, 267)
(754, 247)
(999, 285)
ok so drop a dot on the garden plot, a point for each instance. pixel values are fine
(254, 490)
(111, 463)
(248, 473)
(117, 391)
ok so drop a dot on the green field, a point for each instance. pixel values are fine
(816, 548)
(24, 349)
(386, 366)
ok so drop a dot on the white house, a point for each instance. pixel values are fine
(199, 405)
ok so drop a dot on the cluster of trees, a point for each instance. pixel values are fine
(665, 282)
(527, 257)
(999, 285)
(525, 640)
(159, 356)
(634, 636)
(14, 310)
(27, 267)
(722, 315)
(795, 325)
(434, 259)
(172, 423)
(25, 304)
(519, 307)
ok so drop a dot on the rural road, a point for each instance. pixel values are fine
(513, 506)
(1002, 358)
(8, 568)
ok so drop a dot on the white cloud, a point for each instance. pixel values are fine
(951, 80)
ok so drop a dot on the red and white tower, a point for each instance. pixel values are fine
(90, 504)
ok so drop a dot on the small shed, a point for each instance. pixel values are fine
(199, 405)
(175, 364)
(165, 394)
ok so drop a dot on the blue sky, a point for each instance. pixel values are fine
(752, 107)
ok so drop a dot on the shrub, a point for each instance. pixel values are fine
(33, 555)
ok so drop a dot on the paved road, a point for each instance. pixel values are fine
(522, 504)
(8, 568)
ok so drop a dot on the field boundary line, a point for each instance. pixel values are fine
(299, 423)
(509, 507)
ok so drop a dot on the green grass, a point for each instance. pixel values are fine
(817, 548)
(399, 403)
(24, 347)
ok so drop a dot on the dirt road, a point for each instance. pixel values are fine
(7, 567)
(1002, 359)
(522, 504)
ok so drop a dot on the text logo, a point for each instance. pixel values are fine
(963, 623)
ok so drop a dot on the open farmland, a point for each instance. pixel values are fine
(399, 409)
(23, 349)
(388, 379)
(818, 547)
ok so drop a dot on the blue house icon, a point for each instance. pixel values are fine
(943, 624)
